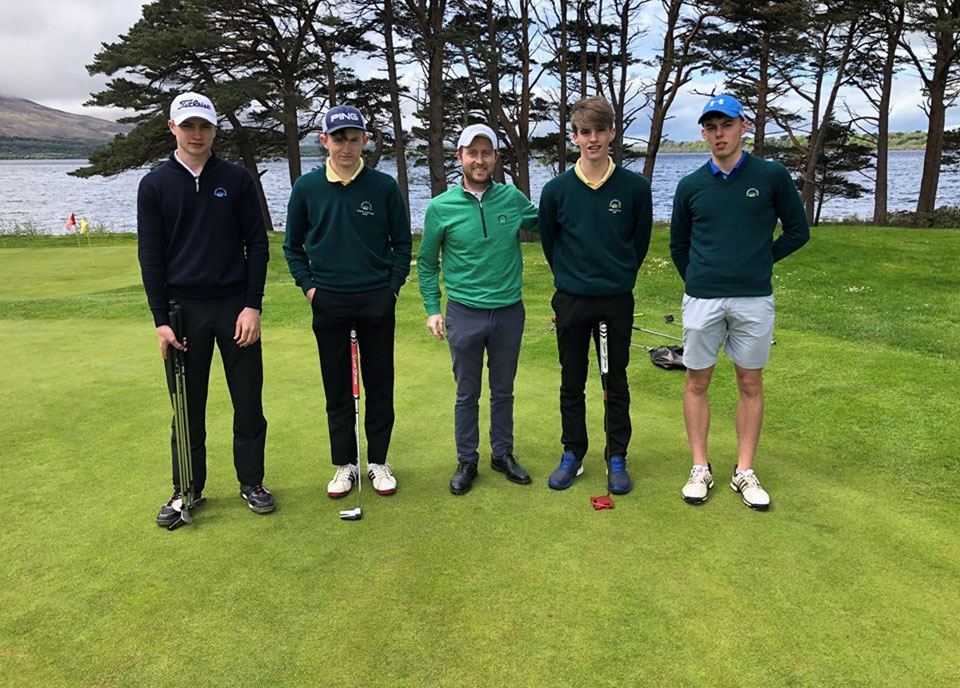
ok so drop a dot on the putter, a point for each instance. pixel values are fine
(177, 374)
(604, 369)
(355, 514)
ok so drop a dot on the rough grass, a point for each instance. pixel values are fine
(849, 580)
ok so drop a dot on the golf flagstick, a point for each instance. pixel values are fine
(355, 514)
(181, 422)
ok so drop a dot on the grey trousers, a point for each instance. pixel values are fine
(470, 331)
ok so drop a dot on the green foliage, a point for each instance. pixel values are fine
(15, 148)
(944, 217)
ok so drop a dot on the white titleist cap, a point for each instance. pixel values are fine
(187, 105)
(475, 130)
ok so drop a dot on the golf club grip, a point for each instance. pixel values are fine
(355, 364)
(604, 356)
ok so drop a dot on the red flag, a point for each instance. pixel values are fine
(72, 222)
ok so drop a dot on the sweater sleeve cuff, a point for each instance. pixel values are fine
(160, 318)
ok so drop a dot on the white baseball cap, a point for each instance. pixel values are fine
(190, 104)
(475, 130)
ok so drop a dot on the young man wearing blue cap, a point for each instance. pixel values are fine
(201, 241)
(475, 226)
(595, 223)
(722, 243)
(348, 246)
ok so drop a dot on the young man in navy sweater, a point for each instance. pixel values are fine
(201, 241)
(348, 246)
(721, 240)
(595, 223)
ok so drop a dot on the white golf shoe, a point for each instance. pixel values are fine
(698, 485)
(343, 481)
(382, 478)
(746, 483)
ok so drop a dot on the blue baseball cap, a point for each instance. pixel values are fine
(724, 105)
(343, 117)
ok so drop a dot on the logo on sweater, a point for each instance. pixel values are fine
(502, 219)
(615, 206)
(366, 209)
(220, 192)
(752, 193)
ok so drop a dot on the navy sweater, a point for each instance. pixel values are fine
(200, 237)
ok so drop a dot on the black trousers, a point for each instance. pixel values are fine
(372, 313)
(206, 321)
(578, 318)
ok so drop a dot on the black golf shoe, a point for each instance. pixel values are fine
(170, 511)
(258, 498)
(462, 479)
(507, 464)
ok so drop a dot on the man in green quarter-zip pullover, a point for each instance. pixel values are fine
(474, 226)
(721, 240)
(595, 223)
(348, 246)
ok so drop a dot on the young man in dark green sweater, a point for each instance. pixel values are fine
(595, 222)
(721, 240)
(475, 226)
(348, 246)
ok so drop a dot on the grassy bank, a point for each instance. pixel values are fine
(849, 580)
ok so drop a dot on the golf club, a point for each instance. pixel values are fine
(177, 382)
(659, 334)
(604, 369)
(355, 514)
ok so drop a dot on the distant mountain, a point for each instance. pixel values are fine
(24, 119)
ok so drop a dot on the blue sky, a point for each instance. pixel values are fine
(45, 45)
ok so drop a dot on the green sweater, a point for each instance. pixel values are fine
(596, 239)
(482, 263)
(721, 234)
(349, 238)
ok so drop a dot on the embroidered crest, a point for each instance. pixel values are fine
(615, 206)
(220, 192)
(752, 193)
(365, 209)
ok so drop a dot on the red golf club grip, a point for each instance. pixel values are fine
(355, 363)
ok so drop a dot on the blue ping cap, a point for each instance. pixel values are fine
(724, 105)
(343, 117)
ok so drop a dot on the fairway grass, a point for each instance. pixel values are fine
(851, 578)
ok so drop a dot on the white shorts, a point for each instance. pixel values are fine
(745, 322)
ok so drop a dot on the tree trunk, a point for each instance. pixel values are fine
(883, 137)
(562, 110)
(438, 177)
(399, 139)
(245, 147)
(493, 76)
(763, 89)
(927, 199)
(291, 133)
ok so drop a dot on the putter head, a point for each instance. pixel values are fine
(181, 521)
(351, 514)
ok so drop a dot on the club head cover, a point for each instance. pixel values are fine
(602, 502)
(351, 514)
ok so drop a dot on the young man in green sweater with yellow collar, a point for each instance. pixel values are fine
(475, 226)
(348, 246)
(595, 223)
(721, 240)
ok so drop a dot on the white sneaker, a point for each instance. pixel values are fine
(382, 478)
(698, 485)
(343, 481)
(746, 483)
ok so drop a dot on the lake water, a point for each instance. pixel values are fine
(40, 191)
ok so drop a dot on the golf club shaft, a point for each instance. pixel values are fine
(659, 334)
(355, 371)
